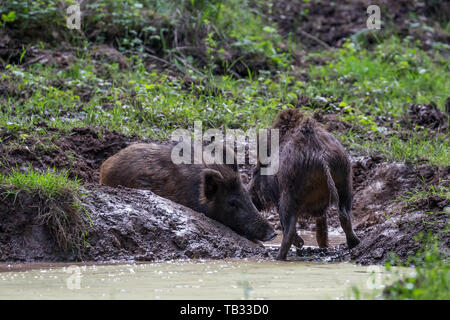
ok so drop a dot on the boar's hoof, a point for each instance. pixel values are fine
(353, 242)
(280, 258)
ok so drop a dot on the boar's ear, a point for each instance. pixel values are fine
(210, 180)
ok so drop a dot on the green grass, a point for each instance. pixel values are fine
(151, 103)
(385, 80)
(426, 191)
(415, 148)
(201, 82)
(137, 101)
(50, 184)
(58, 202)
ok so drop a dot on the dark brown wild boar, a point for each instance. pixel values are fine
(214, 189)
(314, 172)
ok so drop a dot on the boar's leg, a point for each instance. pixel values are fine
(346, 224)
(322, 230)
(288, 216)
(345, 210)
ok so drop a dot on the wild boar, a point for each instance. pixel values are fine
(213, 189)
(314, 172)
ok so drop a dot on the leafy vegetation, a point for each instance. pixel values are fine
(384, 80)
(150, 102)
(431, 280)
(216, 35)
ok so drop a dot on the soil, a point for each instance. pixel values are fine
(426, 116)
(126, 225)
(137, 225)
(325, 24)
(22, 237)
(82, 151)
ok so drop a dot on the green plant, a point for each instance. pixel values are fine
(59, 203)
(411, 198)
(431, 280)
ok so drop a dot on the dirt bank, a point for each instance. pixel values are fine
(125, 225)
(81, 151)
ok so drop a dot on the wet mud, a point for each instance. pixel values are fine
(123, 225)
(137, 225)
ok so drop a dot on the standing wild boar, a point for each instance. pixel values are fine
(213, 189)
(314, 172)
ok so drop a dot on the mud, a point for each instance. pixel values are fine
(426, 116)
(382, 220)
(137, 225)
(126, 225)
(81, 152)
(323, 24)
(378, 185)
(401, 235)
(22, 236)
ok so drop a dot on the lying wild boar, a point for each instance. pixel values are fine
(314, 172)
(214, 189)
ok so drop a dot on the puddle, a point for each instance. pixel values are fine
(226, 279)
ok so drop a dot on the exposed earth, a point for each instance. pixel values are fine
(125, 224)
(138, 225)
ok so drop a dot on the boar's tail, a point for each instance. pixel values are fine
(334, 196)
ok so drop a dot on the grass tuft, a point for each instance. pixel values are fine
(58, 202)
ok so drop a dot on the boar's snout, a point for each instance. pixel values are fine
(241, 215)
(252, 224)
(231, 205)
(270, 236)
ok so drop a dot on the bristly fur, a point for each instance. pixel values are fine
(315, 172)
(213, 189)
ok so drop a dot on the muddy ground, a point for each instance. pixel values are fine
(137, 225)
(125, 225)
(324, 24)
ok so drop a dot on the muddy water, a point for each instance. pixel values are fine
(186, 280)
